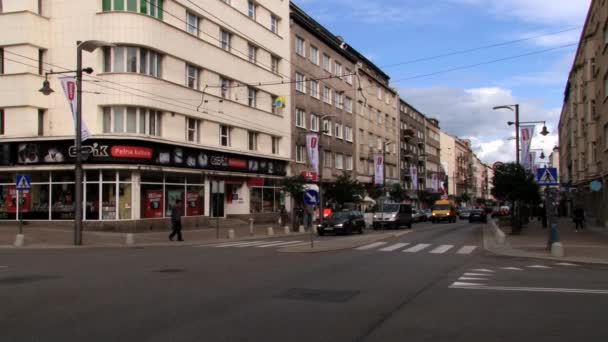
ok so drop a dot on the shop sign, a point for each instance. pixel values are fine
(310, 176)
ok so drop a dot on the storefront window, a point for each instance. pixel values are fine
(8, 202)
(63, 176)
(265, 199)
(63, 201)
(108, 202)
(152, 199)
(92, 201)
(255, 196)
(172, 193)
(35, 202)
(124, 201)
(268, 200)
(152, 177)
(195, 201)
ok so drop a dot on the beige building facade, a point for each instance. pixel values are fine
(183, 106)
(448, 160)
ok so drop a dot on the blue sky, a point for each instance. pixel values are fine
(394, 31)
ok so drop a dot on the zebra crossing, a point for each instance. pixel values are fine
(257, 244)
(410, 248)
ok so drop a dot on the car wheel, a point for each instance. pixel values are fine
(321, 232)
(409, 225)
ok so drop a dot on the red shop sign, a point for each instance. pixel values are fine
(238, 163)
(131, 152)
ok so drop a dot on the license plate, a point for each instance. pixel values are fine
(328, 228)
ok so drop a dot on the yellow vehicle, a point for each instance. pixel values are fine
(443, 210)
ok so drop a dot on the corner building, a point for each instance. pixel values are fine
(179, 107)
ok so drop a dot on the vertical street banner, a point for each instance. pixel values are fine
(378, 169)
(312, 146)
(435, 183)
(533, 166)
(414, 176)
(68, 83)
(525, 135)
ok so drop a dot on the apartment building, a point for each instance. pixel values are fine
(377, 121)
(448, 156)
(178, 108)
(434, 172)
(464, 167)
(412, 148)
(323, 97)
(583, 126)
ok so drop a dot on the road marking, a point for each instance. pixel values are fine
(474, 274)
(442, 249)
(394, 247)
(277, 244)
(464, 285)
(527, 289)
(226, 244)
(262, 243)
(467, 249)
(512, 268)
(417, 248)
(565, 264)
(471, 278)
(538, 266)
(482, 270)
(236, 244)
(373, 245)
(250, 244)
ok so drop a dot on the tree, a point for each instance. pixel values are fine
(398, 193)
(428, 198)
(344, 190)
(294, 186)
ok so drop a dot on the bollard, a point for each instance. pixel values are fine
(19, 240)
(231, 234)
(270, 231)
(287, 230)
(280, 221)
(557, 249)
(251, 232)
(302, 229)
(130, 239)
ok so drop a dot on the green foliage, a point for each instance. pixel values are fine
(344, 190)
(398, 193)
(294, 186)
(464, 198)
(513, 183)
(428, 198)
(375, 191)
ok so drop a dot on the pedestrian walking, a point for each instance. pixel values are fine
(542, 215)
(579, 218)
(176, 220)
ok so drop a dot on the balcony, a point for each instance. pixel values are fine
(19, 28)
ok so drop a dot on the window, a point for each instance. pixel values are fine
(252, 95)
(300, 154)
(132, 59)
(152, 8)
(225, 39)
(224, 135)
(252, 141)
(349, 77)
(338, 99)
(327, 159)
(300, 83)
(314, 55)
(41, 62)
(370, 140)
(361, 136)
(314, 88)
(274, 64)
(118, 120)
(314, 123)
(252, 53)
(300, 46)
(326, 63)
(300, 118)
(327, 127)
(41, 122)
(275, 145)
(339, 161)
(387, 98)
(380, 93)
(274, 24)
(192, 130)
(227, 2)
(379, 117)
(251, 9)
(1, 57)
(192, 23)
(379, 143)
(338, 69)
(605, 136)
(192, 74)
(338, 131)
(1, 121)
(348, 163)
(348, 104)
(327, 95)
(348, 134)
(225, 87)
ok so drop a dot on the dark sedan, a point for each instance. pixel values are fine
(478, 215)
(343, 222)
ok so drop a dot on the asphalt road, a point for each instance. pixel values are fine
(434, 284)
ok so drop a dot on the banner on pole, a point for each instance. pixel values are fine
(525, 135)
(414, 176)
(435, 182)
(312, 146)
(68, 83)
(378, 169)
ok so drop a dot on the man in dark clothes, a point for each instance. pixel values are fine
(542, 215)
(579, 218)
(176, 220)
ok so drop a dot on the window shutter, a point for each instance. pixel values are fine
(106, 5)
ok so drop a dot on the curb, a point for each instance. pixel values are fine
(491, 245)
(355, 244)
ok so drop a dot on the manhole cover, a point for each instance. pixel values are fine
(16, 280)
(316, 295)
(170, 270)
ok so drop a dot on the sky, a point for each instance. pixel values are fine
(391, 32)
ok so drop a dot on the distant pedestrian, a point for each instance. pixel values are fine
(579, 218)
(542, 215)
(176, 220)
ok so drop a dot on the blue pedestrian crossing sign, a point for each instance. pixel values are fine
(311, 197)
(547, 176)
(23, 182)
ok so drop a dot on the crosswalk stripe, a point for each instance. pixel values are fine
(442, 249)
(394, 247)
(417, 248)
(467, 249)
(482, 270)
(373, 245)
(471, 278)
(468, 274)
(260, 243)
(234, 244)
(277, 244)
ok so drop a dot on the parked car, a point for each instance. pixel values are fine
(418, 215)
(393, 215)
(478, 215)
(464, 214)
(428, 213)
(342, 222)
(443, 210)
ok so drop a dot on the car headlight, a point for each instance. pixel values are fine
(434, 214)
(339, 225)
(375, 216)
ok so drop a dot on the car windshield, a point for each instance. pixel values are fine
(340, 216)
(441, 207)
(389, 208)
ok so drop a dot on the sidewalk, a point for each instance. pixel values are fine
(62, 238)
(589, 245)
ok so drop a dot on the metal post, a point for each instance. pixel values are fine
(78, 138)
(517, 133)
(19, 210)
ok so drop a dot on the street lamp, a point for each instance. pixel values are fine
(542, 153)
(89, 46)
(514, 108)
(321, 160)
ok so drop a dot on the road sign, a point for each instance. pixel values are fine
(23, 182)
(311, 197)
(547, 177)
